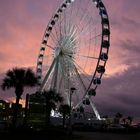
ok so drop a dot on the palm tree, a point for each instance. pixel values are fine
(51, 99)
(65, 111)
(18, 78)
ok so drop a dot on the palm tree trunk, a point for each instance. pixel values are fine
(15, 114)
(26, 110)
(48, 112)
(64, 118)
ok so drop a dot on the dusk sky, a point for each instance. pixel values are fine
(23, 23)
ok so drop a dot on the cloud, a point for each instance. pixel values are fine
(22, 27)
(120, 93)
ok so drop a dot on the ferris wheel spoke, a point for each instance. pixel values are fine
(84, 56)
(71, 13)
(79, 78)
(93, 37)
(48, 56)
(82, 70)
(87, 25)
(83, 16)
(60, 26)
(86, 31)
(84, 95)
(50, 46)
(85, 28)
(57, 34)
(65, 24)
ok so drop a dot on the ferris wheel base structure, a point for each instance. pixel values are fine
(74, 52)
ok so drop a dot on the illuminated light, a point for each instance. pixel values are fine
(95, 1)
(13, 100)
(55, 114)
(68, 2)
(52, 113)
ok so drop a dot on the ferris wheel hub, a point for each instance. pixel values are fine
(66, 46)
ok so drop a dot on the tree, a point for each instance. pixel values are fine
(18, 78)
(65, 111)
(130, 119)
(124, 121)
(118, 116)
(51, 99)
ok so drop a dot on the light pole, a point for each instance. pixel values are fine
(72, 89)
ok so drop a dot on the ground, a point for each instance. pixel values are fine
(106, 136)
(64, 135)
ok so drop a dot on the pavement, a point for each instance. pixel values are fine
(106, 136)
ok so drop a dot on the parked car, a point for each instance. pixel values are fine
(116, 127)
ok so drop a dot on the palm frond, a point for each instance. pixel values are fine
(7, 83)
(30, 78)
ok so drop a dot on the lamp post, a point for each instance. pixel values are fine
(72, 89)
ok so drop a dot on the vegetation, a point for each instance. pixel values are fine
(118, 116)
(18, 78)
(65, 111)
(51, 99)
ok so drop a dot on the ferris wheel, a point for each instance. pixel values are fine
(74, 51)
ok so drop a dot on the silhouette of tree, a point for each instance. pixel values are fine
(130, 119)
(124, 121)
(65, 111)
(51, 98)
(105, 116)
(118, 116)
(18, 78)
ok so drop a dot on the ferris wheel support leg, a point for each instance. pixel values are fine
(54, 85)
(95, 110)
(46, 77)
(82, 83)
(66, 81)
